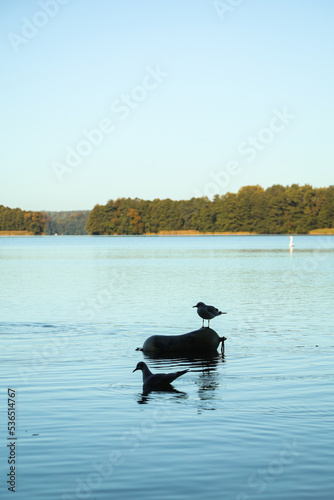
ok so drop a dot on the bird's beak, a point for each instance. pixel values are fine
(135, 369)
(224, 313)
(194, 306)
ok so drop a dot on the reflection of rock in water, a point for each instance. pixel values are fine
(207, 382)
(193, 362)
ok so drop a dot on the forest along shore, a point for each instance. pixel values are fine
(316, 232)
(252, 210)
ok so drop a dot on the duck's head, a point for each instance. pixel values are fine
(140, 366)
(199, 304)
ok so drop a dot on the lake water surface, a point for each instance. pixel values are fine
(254, 424)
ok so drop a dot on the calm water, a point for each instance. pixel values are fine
(256, 424)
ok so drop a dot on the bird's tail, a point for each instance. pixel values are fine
(182, 372)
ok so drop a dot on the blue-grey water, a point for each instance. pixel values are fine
(254, 424)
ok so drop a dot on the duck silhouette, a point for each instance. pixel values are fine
(157, 381)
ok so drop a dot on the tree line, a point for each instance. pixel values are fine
(65, 222)
(277, 209)
(15, 219)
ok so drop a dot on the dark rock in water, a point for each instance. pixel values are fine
(204, 340)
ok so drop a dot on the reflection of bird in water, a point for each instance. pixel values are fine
(207, 312)
(145, 396)
(157, 381)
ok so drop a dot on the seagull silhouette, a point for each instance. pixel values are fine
(207, 312)
(156, 381)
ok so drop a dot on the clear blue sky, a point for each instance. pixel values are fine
(191, 97)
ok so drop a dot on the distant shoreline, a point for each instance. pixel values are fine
(314, 232)
(16, 233)
(326, 230)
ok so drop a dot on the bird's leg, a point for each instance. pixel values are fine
(208, 323)
(203, 323)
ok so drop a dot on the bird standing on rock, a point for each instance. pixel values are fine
(207, 312)
(156, 381)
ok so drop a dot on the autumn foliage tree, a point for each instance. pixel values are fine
(277, 209)
(15, 219)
